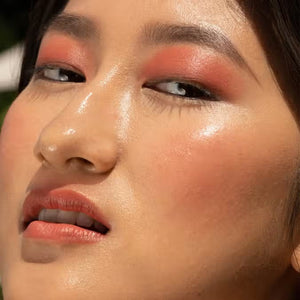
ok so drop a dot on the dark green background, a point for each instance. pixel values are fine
(13, 24)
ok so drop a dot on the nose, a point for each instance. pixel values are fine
(81, 136)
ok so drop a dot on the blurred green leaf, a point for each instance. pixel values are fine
(13, 22)
(8, 36)
(5, 101)
(2, 115)
(1, 297)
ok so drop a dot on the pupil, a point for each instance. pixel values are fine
(192, 91)
(71, 76)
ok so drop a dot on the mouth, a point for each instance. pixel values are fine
(62, 216)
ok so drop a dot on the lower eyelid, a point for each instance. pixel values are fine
(164, 100)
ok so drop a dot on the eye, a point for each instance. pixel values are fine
(181, 89)
(58, 74)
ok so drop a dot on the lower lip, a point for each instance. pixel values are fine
(63, 233)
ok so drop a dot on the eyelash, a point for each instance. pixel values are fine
(200, 96)
(39, 73)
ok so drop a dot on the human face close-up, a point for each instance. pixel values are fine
(163, 121)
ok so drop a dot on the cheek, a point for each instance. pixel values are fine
(17, 165)
(213, 174)
(201, 178)
(18, 137)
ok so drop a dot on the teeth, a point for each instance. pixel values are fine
(42, 215)
(68, 217)
(49, 215)
(84, 220)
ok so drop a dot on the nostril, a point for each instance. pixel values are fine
(40, 157)
(79, 162)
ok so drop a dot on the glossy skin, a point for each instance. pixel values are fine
(195, 190)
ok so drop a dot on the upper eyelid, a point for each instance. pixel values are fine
(214, 97)
(58, 65)
(36, 74)
(39, 68)
(214, 92)
(181, 80)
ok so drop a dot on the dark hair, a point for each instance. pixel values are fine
(40, 16)
(277, 24)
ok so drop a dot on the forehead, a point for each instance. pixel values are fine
(220, 12)
(123, 19)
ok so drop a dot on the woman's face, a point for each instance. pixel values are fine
(166, 116)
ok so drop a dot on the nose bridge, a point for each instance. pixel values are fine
(84, 133)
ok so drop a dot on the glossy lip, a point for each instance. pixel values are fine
(64, 200)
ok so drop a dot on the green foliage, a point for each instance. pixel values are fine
(1, 297)
(5, 101)
(7, 34)
(13, 22)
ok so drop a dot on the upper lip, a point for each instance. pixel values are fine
(59, 199)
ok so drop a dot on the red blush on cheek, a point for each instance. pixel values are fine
(199, 65)
(60, 49)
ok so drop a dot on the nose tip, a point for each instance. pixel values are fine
(83, 135)
(76, 152)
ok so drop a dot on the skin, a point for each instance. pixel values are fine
(195, 190)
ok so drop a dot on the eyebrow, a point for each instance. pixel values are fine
(82, 27)
(77, 26)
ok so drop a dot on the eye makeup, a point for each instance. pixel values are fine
(191, 64)
(64, 52)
